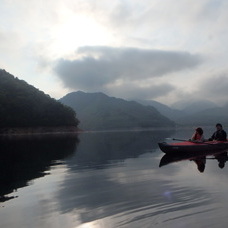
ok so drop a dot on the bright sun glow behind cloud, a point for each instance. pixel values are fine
(78, 30)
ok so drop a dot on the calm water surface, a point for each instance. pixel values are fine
(107, 180)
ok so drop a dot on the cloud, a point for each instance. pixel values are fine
(215, 88)
(131, 90)
(126, 70)
(33, 35)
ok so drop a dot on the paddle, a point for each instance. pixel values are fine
(183, 140)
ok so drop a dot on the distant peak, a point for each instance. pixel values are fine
(86, 93)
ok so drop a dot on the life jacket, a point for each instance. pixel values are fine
(196, 136)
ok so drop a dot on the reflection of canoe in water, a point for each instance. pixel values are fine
(171, 158)
(192, 147)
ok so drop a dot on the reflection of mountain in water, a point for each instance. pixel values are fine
(96, 150)
(129, 193)
(23, 159)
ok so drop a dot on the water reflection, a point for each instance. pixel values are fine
(129, 202)
(113, 180)
(98, 150)
(100, 183)
(199, 159)
(200, 162)
(222, 159)
(25, 158)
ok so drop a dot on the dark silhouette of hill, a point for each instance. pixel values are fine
(98, 111)
(22, 105)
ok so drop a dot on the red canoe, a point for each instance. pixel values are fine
(193, 146)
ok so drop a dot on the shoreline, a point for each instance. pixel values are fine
(29, 131)
(72, 130)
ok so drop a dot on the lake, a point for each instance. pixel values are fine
(108, 179)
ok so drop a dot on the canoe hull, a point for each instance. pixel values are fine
(191, 147)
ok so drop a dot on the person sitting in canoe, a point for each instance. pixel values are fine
(219, 135)
(198, 135)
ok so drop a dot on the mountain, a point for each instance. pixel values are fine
(165, 110)
(192, 112)
(98, 111)
(22, 105)
(207, 117)
(193, 106)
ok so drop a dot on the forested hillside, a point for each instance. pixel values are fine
(22, 105)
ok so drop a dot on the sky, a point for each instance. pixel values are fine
(166, 50)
